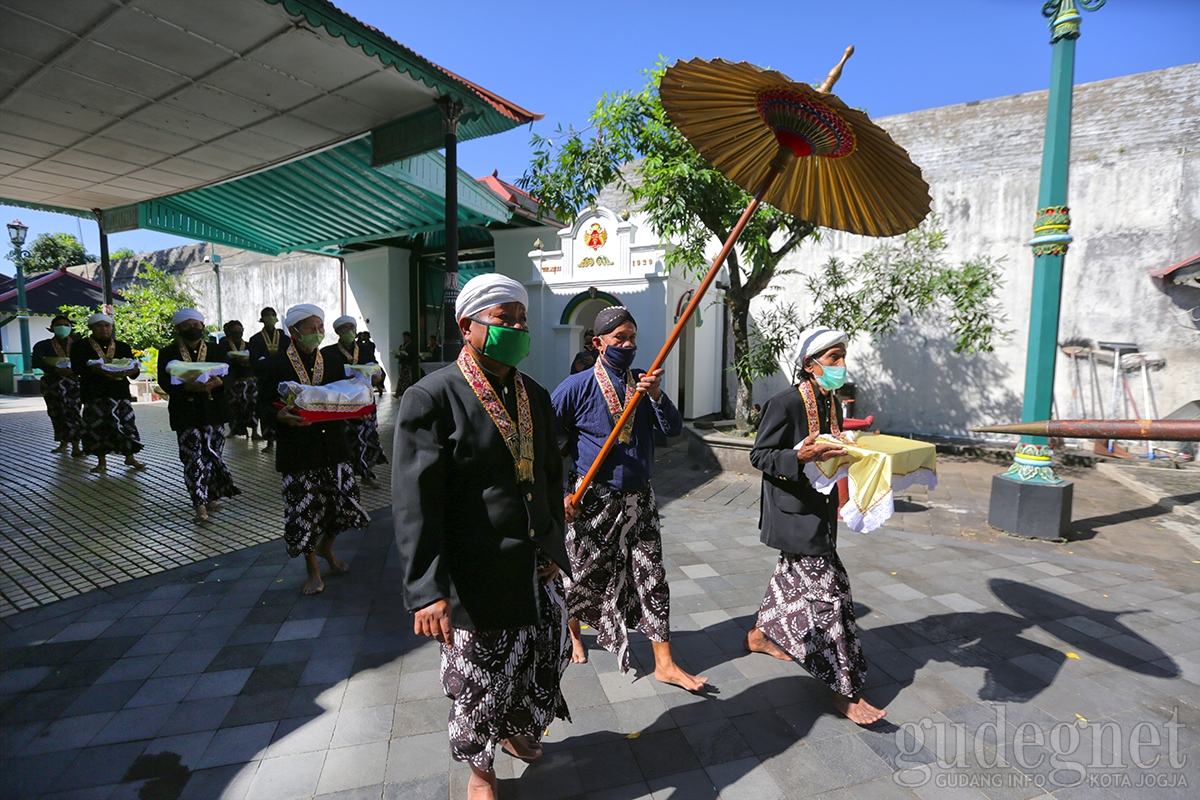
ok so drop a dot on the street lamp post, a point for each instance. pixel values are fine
(16, 235)
(1030, 499)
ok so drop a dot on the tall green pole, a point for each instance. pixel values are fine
(1051, 239)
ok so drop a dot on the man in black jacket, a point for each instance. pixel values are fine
(263, 346)
(241, 385)
(109, 425)
(362, 433)
(320, 496)
(60, 386)
(198, 409)
(807, 614)
(477, 498)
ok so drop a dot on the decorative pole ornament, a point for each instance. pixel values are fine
(16, 235)
(1030, 499)
(452, 111)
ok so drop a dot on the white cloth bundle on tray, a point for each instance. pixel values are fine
(184, 371)
(239, 353)
(116, 365)
(362, 372)
(344, 396)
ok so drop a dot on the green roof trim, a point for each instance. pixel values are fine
(322, 203)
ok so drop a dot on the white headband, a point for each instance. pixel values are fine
(302, 311)
(345, 320)
(487, 290)
(186, 315)
(99, 316)
(817, 340)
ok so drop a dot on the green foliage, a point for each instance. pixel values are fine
(879, 291)
(685, 199)
(53, 250)
(122, 252)
(144, 319)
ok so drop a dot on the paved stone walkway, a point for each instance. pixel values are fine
(1009, 668)
(74, 531)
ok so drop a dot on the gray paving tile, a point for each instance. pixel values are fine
(351, 767)
(287, 777)
(237, 745)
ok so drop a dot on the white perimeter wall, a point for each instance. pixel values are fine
(1135, 205)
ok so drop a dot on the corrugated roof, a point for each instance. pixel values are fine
(45, 294)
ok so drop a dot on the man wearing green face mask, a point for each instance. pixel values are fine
(807, 614)
(477, 504)
(60, 387)
(362, 433)
(320, 495)
(262, 345)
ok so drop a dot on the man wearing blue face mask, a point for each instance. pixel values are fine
(614, 539)
(477, 505)
(807, 614)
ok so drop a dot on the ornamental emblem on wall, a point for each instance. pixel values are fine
(595, 236)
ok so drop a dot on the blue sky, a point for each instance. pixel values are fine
(557, 58)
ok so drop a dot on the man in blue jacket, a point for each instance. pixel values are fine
(613, 539)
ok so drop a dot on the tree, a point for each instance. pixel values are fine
(122, 252)
(53, 250)
(895, 281)
(684, 198)
(690, 203)
(144, 319)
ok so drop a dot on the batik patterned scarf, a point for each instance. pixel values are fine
(615, 406)
(518, 440)
(318, 373)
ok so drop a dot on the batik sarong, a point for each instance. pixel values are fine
(809, 613)
(110, 427)
(63, 408)
(615, 547)
(320, 502)
(243, 411)
(204, 472)
(365, 450)
(508, 682)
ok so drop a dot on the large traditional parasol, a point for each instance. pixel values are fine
(799, 149)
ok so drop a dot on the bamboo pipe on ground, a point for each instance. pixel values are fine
(1171, 430)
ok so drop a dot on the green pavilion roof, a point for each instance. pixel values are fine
(175, 115)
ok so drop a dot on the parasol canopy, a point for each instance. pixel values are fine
(848, 174)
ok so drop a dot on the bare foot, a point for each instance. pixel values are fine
(757, 642)
(522, 747)
(314, 585)
(858, 710)
(482, 785)
(62, 448)
(78, 453)
(130, 461)
(201, 514)
(578, 649)
(325, 551)
(101, 465)
(270, 446)
(667, 671)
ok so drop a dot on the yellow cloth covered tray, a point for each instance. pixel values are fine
(877, 466)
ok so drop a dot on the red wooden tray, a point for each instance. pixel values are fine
(330, 416)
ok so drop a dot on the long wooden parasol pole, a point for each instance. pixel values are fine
(778, 164)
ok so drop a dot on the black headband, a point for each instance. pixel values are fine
(611, 318)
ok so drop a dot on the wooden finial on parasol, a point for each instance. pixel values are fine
(836, 73)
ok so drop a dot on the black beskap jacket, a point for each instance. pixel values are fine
(794, 517)
(466, 530)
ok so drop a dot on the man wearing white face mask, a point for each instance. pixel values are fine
(807, 614)
(614, 539)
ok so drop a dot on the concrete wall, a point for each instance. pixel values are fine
(1135, 205)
